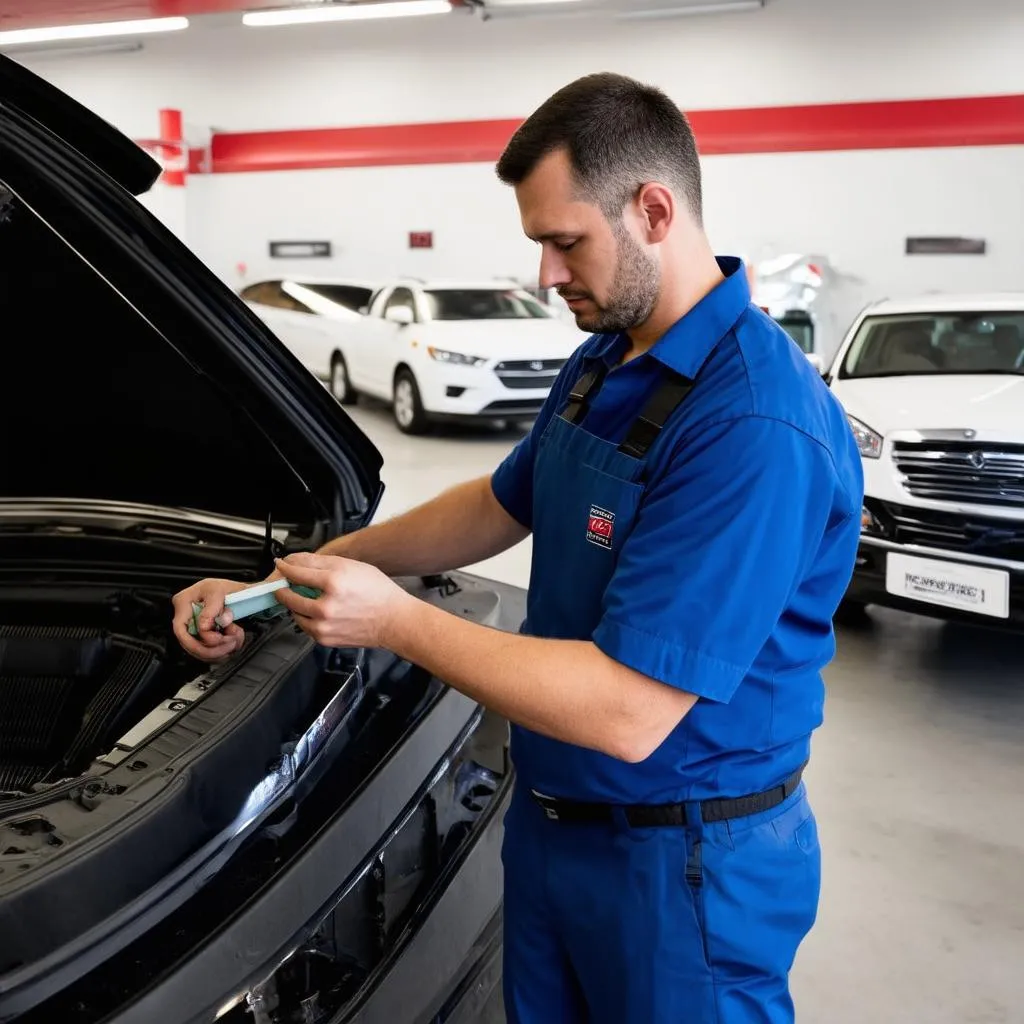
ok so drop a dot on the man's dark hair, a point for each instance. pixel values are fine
(619, 134)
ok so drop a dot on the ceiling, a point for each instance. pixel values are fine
(19, 14)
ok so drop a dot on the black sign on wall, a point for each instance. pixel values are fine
(300, 250)
(945, 246)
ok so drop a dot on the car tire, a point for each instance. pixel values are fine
(340, 385)
(852, 614)
(407, 406)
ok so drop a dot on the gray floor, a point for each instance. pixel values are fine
(917, 780)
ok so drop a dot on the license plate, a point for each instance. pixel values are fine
(950, 584)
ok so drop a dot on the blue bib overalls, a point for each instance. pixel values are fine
(614, 924)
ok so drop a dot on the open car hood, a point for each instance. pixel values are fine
(136, 375)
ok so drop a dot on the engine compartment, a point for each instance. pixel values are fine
(66, 692)
(79, 667)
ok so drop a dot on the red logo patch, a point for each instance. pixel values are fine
(600, 526)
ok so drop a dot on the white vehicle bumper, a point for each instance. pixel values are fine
(465, 391)
(952, 559)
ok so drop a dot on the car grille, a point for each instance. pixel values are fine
(520, 374)
(526, 406)
(950, 531)
(962, 471)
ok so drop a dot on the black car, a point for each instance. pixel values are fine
(294, 835)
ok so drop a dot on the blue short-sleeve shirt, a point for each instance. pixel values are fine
(742, 549)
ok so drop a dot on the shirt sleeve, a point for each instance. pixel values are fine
(722, 539)
(512, 481)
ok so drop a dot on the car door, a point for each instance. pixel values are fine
(397, 317)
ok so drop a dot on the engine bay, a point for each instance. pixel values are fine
(66, 692)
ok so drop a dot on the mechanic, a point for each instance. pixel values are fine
(694, 495)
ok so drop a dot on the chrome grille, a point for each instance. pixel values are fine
(962, 471)
(520, 374)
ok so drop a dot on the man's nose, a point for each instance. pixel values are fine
(553, 271)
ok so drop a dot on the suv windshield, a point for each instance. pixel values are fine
(484, 304)
(937, 343)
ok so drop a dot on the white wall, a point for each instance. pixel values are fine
(856, 207)
(794, 51)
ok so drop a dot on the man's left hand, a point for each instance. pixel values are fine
(357, 606)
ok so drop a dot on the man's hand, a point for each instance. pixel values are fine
(357, 606)
(210, 644)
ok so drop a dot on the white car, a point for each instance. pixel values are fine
(433, 349)
(308, 314)
(934, 390)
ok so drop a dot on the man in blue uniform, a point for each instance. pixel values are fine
(694, 496)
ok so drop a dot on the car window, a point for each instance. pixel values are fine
(401, 297)
(938, 343)
(263, 293)
(484, 304)
(349, 296)
(273, 294)
(800, 327)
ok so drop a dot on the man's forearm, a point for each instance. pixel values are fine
(565, 689)
(464, 525)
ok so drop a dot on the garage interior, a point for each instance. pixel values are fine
(853, 153)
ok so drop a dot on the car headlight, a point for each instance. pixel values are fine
(454, 358)
(869, 443)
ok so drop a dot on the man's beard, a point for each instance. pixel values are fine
(634, 290)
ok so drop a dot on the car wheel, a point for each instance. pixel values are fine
(407, 404)
(341, 386)
(852, 613)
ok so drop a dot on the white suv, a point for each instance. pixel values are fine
(934, 390)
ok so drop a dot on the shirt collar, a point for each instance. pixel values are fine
(689, 341)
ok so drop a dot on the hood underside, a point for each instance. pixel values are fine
(134, 374)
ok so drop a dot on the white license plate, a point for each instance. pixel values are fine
(950, 584)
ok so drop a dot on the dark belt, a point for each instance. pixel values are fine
(653, 815)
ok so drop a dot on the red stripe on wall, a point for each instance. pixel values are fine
(453, 142)
(902, 124)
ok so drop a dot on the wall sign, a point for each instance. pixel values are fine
(300, 250)
(946, 247)
(421, 239)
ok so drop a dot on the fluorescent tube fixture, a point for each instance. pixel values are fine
(346, 12)
(99, 30)
(684, 9)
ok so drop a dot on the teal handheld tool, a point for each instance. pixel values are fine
(257, 600)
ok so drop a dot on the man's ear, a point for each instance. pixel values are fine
(657, 208)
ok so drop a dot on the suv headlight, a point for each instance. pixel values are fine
(869, 443)
(454, 358)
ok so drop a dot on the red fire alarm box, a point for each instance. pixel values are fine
(421, 239)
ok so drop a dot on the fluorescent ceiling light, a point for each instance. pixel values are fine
(59, 33)
(682, 9)
(346, 12)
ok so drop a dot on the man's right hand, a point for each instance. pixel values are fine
(211, 644)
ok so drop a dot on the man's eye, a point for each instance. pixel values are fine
(564, 246)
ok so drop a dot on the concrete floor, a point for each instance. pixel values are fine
(917, 780)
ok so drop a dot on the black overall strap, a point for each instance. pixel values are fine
(667, 397)
(583, 393)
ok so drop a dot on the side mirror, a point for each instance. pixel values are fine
(401, 315)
